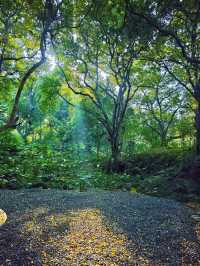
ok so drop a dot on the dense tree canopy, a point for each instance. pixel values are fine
(101, 80)
(99, 95)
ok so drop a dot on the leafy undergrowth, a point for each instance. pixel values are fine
(158, 160)
(37, 167)
(157, 174)
(165, 184)
(77, 238)
(152, 173)
(162, 185)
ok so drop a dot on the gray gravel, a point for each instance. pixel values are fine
(158, 227)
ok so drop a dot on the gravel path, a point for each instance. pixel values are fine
(161, 230)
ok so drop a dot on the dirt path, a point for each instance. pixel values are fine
(52, 227)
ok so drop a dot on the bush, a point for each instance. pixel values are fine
(155, 161)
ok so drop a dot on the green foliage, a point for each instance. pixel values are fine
(39, 166)
(120, 84)
(153, 161)
(11, 140)
(47, 88)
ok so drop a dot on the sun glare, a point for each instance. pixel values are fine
(52, 62)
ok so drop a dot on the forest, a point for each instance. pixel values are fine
(99, 96)
(104, 87)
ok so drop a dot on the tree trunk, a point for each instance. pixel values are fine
(12, 120)
(163, 137)
(197, 116)
(197, 126)
(113, 164)
(164, 141)
(115, 153)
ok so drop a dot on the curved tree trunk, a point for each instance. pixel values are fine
(12, 121)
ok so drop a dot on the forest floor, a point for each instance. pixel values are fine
(53, 227)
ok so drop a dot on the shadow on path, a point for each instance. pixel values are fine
(159, 231)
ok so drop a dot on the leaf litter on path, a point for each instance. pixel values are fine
(80, 238)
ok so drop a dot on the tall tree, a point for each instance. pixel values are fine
(162, 102)
(100, 71)
(176, 41)
(26, 27)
